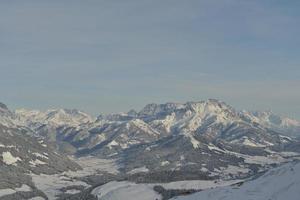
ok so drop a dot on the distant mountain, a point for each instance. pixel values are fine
(287, 126)
(164, 137)
(206, 140)
(22, 155)
(202, 138)
(59, 117)
(47, 123)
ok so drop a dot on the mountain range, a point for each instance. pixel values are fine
(206, 140)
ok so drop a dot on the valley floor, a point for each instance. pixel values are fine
(101, 179)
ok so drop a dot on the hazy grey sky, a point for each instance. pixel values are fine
(110, 56)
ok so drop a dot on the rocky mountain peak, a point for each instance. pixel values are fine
(3, 106)
(157, 109)
(70, 117)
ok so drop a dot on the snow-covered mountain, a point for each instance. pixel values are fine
(206, 140)
(287, 126)
(48, 123)
(29, 154)
(22, 155)
(59, 117)
(210, 119)
(166, 136)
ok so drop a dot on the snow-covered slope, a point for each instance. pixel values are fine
(125, 190)
(281, 183)
(20, 151)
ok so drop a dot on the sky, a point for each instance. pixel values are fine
(110, 56)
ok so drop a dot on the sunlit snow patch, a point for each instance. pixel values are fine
(9, 159)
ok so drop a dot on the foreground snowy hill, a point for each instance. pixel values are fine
(281, 183)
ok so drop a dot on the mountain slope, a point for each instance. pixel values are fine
(280, 183)
(22, 155)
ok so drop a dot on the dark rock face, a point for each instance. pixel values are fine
(168, 194)
(3, 106)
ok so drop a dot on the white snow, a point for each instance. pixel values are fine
(203, 169)
(197, 184)
(167, 123)
(193, 141)
(73, 191)
(93, 165)
(11, 146)
(285, 137)
(112, 143)
(51, 184)
(144, 127)
(281, 183)
(288, 154)
(164, 163)
(214, 148)
(9, 159)
(97, 139)
(248, 142)
(23, 188)
(40, 155)
(274, 158)
(36, 162)
(263, 160)
(125, 190)
(56, 117)
(138, 170)
(230, 169)
(8, 191)
(37, 198)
